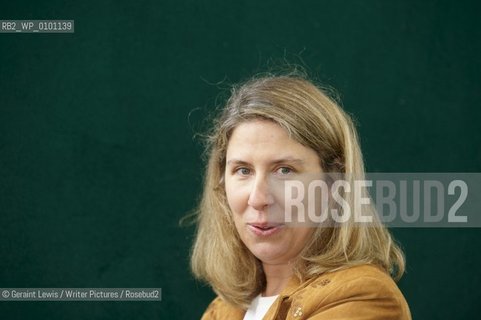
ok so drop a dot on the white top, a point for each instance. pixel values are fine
(259, 306)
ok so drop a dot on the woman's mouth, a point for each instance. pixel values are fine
(264, 230)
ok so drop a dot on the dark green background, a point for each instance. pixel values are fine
(98, 164)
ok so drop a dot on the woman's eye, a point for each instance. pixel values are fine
(243, 171)
(284, 170)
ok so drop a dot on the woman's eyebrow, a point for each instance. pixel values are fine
(277, 161)
(236, 161)
(288, 160)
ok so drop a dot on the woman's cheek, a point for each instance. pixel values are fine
(237, 197)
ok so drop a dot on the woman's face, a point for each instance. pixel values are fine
(260, 157)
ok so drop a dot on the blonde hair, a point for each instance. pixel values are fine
(317, 122)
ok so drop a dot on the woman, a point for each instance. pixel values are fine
(273, 129)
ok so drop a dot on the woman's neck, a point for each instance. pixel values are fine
(277, 277)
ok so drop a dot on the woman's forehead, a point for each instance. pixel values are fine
(263, 140)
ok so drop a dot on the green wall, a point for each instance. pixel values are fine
(98, 163)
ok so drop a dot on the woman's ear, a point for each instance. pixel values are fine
(337, 164)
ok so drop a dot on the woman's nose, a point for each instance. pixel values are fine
(260, 196)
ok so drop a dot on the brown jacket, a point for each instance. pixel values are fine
(360, 293)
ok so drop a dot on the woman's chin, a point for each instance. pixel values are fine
(268, 253)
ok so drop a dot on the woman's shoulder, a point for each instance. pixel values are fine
(219, 309)
(358, 289)
(365, 273)
(359, 280)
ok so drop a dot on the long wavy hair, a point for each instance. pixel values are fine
(316, 121)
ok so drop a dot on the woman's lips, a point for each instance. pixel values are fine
(264, 230)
